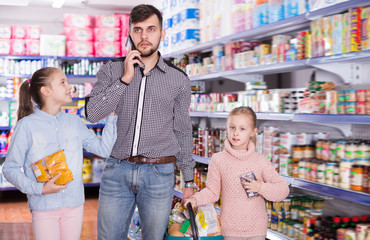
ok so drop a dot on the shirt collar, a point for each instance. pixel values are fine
(46, 115)
(160, 64)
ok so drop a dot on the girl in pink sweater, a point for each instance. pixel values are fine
(242, 217)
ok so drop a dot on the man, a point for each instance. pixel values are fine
(151, 98)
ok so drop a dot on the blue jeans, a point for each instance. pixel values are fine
(125, 185)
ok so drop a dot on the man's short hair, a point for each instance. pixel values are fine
(142, 12)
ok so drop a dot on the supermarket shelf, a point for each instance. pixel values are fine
(337, 8)
(2, 155)
(25, 57)
(177, 193)
(296, 117)
(84, 58)
(16, 75)
(80, 76)
(345, 57)
(200, 159)
(5, 128)
(263, 69)
(287, 25)
(352, 196)
(332, 118)
(274, 235)
(78, 99)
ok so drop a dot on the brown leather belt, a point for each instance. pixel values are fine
(141, 159)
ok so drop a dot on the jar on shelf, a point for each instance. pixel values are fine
(294, 212)
(350, 107)
(325, 154)
(313, 172)
(321, 169)
(308, 151)
(341, 108)
(329, 173)
(341, 96)
(350, 95)
(318, 204)
(341, 149)
(297, 151)
(361, 95)
(363, 150)
(345, 173)
(307, 175)
(365, 180)
(287, 204)
(333, 150)
(361, 108)
(302, 168)
(336, 173)
(351, 150)
(319, 144)
(357, 173)
(295, 169)
(307, 203)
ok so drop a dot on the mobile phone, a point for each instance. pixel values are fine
(130, 43)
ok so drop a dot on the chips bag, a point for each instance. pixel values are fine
(52, 165)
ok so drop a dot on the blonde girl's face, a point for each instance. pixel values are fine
(240, 129)
(60, 89)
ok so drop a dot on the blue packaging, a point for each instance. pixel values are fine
(276, 10)
(261, 15)
(189, 37)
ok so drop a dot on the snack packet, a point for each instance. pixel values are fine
(52, 165)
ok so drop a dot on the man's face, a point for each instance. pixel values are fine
(147, 35)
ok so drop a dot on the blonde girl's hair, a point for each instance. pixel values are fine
(247, 111)
(30, 90)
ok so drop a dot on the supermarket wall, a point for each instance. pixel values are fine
(50, 19)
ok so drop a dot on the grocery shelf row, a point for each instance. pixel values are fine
(292, 24)
(65, 58)
(296, 117)
(287, 66)
(93, 125)
(272, 235)
(349, 195)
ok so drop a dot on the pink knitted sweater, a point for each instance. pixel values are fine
(241, 216)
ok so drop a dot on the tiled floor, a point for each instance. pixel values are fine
(15, 218)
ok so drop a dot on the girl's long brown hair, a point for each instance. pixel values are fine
(247, 111)
(31, 91)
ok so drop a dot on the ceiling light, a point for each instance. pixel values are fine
(58, 3)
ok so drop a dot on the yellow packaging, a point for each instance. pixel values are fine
(365, 30)
(86, 171)
(52, 165)
(346, 37)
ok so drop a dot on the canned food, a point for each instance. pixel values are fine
(251, 176)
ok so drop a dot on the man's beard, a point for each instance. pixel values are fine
(151, 51)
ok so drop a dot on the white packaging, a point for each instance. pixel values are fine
(318, 4)
(52, 45)
(189, 37)
(189, 18)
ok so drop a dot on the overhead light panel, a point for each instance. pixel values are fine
(57, 3)
(19, 3)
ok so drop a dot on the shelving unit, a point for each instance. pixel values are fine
(90, 184)
(345, 194)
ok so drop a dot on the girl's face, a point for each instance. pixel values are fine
(239, 130)
(60, 89)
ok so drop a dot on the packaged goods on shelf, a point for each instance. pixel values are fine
(5, 46)
(79, 34)
(107, 34)
(107, 49)
(365, 33)
(317, 4)
(80, 48)
(87, 171)
(52, 45)
(107, 21)
(78, 20)
(5, 31)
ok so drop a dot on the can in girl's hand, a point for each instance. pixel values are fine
(251, 176)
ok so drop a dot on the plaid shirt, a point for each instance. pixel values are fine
(153, 112)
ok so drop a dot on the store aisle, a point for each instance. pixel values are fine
(15, 218)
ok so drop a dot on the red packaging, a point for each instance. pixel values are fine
(5, 46)
(80, 49)
(301, 44)
(79, 34)
(5, 31)
(107, 49)
(19, 32)
(107, 21)
(282, 48)
(355, 15)
(32, 47)
(33, 32)
(78, 20)
(107, 34)
(125, 24)
(18, 47)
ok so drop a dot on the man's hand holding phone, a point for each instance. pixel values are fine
(133, 57)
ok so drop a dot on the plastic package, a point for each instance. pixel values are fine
(251, 176)
(52, 165)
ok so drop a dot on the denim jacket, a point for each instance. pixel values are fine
(41, 134)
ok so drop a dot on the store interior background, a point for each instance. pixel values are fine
(39, 12)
